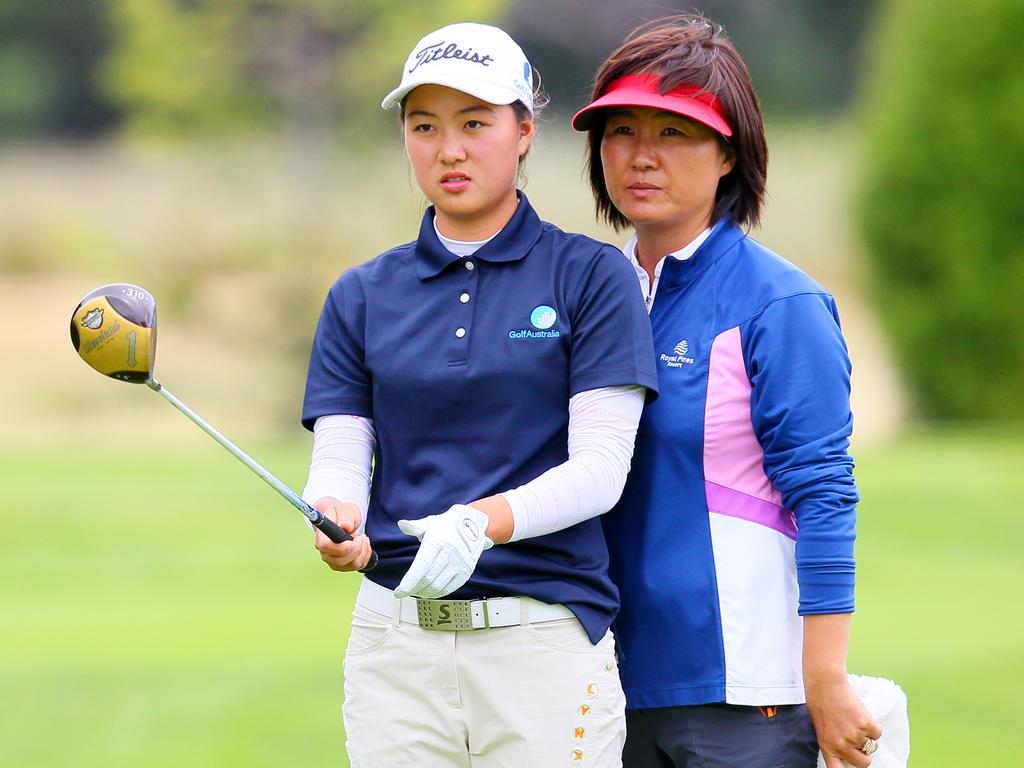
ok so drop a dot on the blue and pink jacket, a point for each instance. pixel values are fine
(738, 515)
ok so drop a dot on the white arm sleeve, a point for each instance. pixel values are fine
(342, 461)
(602, 430)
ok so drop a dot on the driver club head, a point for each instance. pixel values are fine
(113, 329)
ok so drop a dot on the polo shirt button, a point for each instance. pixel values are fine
(464, 298)
(470, 265)
(460, 332)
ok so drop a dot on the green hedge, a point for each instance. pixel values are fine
(942, 199)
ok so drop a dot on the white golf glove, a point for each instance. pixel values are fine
(450, 545)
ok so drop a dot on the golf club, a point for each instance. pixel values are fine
(113, 329)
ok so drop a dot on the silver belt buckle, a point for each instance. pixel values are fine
(446, 615)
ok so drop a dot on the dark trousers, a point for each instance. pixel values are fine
(720, 736)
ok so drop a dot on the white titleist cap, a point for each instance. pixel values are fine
(477, 59)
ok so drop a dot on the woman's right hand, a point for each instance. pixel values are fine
(349, 555)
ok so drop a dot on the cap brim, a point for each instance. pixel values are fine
(492, 94)
(636, 97)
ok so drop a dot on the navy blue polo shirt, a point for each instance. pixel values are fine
(466, 366)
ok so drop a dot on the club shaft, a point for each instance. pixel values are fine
(327, 526)
(238, 453)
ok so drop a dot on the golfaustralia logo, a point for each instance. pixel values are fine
(542, 319)
(679, 356)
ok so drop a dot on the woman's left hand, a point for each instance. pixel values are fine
(842, 722)
(450, 545)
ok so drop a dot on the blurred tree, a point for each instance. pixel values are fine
(183, 66)
(941, 201)
(803, 54)
(49, 53)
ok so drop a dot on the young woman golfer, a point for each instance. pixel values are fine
(733, 542)
(494, 369)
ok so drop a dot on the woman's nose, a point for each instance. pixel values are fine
(643, 156)
(453, 150)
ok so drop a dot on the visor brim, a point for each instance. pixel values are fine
(635, 97)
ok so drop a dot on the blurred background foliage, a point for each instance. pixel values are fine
(84, 67)
(233, 158)
(50, 52)
(239, 67)
(942, 199)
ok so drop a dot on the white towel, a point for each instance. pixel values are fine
(887, 703)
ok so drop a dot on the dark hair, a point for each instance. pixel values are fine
(689, 49)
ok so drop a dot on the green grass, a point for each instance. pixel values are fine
(161, 607)
(164, 609)
(940, 570)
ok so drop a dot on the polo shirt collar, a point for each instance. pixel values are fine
(512, 243)
(723, 236)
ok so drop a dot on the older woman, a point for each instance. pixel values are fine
(733, 542)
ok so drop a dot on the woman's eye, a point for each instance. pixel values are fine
(422, 128)
(673, 131)
(474, 124)
(620, 130)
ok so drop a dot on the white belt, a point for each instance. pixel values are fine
(459, 614)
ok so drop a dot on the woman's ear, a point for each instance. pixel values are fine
(526, 129)
(728, 159)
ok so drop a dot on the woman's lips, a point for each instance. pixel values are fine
(643, 189)
(454, 182)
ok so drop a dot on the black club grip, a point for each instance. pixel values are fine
(338, 535)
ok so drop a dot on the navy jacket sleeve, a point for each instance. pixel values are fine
(611, 333)
(799, 371)
(338, 381)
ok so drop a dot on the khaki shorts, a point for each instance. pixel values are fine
(536, 695)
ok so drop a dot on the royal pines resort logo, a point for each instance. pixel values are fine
(542, 319)
(679, 357)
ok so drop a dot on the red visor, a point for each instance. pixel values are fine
(642, 91)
